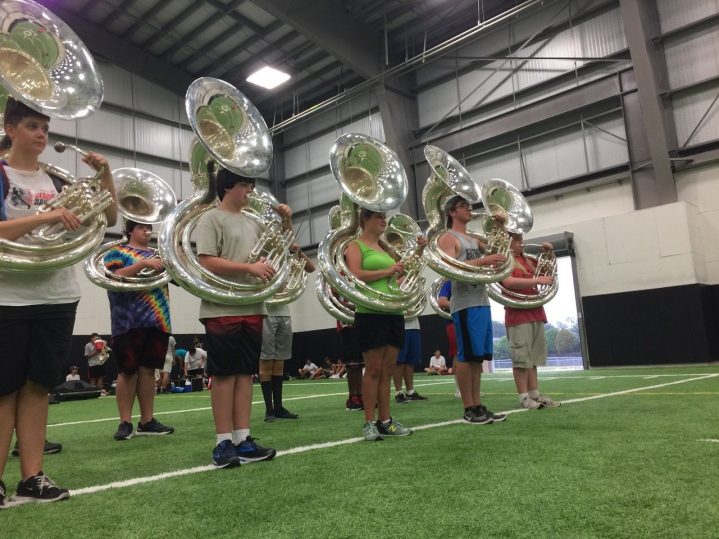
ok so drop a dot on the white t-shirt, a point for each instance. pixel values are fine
(411, 323)
(71, 377)
(437, 362)
(27, 192)
(309, 368)
(195, 360)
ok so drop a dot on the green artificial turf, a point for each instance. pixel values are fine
(626, 465)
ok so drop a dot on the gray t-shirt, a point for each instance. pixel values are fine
(465, 295)
(231, 236)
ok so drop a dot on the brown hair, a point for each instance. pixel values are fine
(15, 112)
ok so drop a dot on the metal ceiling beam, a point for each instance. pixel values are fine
(650, 122)
(220, 39)
(111, 17)
(541, 111)
(172, 24)
(154, 10)
(356, 45)
(124, 54)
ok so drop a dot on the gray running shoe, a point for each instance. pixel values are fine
(547, 402)
(371, 434)
(393, 429)
(531, 404)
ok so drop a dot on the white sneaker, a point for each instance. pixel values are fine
(547, 402)
(530, 404)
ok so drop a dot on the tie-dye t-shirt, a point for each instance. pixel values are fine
(131, 310)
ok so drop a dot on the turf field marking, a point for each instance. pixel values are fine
(303, 449)
(709, 440)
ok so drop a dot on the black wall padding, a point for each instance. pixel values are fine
(670, 325)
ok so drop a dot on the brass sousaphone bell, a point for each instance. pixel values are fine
(44, 65)
(230, 131)
(142, 197)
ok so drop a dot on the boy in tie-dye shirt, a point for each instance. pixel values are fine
(140, 332)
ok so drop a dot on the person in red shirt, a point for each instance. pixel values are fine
(525, 329)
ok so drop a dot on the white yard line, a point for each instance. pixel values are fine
(303, 449)
(716, 441)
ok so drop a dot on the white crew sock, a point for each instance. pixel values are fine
(240, 435)
(523, 396)
(224, 436)
(534, 393)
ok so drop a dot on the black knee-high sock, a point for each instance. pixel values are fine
(267, 393)
(277, 391)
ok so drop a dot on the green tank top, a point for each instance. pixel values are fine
(373, 260)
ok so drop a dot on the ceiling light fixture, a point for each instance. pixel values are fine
(268, 77)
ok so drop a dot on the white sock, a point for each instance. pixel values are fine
(224, 436)
(523, 396)
(410, 392)
(534, 393)
(240, 435)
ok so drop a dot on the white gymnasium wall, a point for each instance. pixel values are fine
(699, 187)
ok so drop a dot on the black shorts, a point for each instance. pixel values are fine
(233, 345)
(140, 347)
(34, 344)
(96, 372)
(349, 345)
(195, 372)
(378, 330)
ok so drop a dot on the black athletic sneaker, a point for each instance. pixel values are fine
(284, 413)
(354, 404)
(249, 451)
(224, 455)
(269, 415)
(3, 496)
(39, 488)
(153, 428)
(50, 449)
(474, 416)
(496, 418)
(416, 397)
(124, 431)
(401, 398)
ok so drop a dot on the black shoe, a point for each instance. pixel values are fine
(474, 416)
(284, 413)
(3, 495)
(400, 398)
(124, 431)
(153, 428)
(416, 397)
(354, 404)
(249, 451)
(224, 455)
(50, 449)
(39, 488)
(270, 416)
(496, 418)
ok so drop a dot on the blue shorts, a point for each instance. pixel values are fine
(473, 327)
(411, 351)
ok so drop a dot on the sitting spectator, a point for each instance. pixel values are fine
(308, 370)
(74, 374)
(195, 361)
(437, 365)
(338, 370)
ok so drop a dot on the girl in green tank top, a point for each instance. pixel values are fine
(380, 334)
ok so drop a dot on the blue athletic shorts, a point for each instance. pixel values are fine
(473, 327)
(411, 351)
